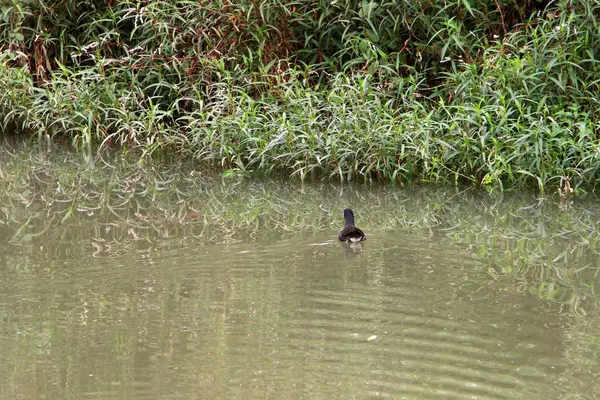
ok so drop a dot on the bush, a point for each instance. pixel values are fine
(498, 94)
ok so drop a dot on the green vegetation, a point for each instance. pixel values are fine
(494, 92)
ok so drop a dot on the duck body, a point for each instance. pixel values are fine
(350, 233)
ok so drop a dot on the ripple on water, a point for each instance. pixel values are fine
(395, 337)
(401, 318)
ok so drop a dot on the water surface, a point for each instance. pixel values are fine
(450, 297)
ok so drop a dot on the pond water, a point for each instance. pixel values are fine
(457, 298)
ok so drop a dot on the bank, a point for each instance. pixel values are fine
(494, 94)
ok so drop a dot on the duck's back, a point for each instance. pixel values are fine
(351, 234)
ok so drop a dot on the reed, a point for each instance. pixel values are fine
(496, 93)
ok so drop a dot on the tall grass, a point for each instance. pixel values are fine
(497, 93)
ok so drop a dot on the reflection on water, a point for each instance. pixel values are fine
(297, 314)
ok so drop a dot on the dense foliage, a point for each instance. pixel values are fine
(495, 92)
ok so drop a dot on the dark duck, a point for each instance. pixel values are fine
(350, 233)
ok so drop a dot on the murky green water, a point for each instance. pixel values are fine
(494, 299)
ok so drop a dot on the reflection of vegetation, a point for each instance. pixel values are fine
(51, 203)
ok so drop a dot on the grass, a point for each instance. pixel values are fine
(499, 95)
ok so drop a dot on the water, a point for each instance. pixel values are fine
(414, 312)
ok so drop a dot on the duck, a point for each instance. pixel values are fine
(350, 233)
